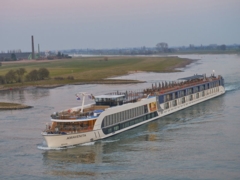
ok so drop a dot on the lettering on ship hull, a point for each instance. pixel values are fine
(77, 136)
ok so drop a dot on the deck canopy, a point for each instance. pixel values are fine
(192, 77)
(111, 100)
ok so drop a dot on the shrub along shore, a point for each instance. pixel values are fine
(78, 71)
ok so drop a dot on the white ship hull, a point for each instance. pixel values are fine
(59, 140)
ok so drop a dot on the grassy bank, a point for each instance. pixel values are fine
(93, 69)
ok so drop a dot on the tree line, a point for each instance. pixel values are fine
(17, 76)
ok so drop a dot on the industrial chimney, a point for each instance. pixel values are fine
(33, 55)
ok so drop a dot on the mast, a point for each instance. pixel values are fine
(83, 95)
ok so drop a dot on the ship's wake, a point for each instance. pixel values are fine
(44, 146)
(87, 144)
(109, 141)
(232, 86)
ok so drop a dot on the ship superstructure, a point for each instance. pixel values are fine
(116, 112)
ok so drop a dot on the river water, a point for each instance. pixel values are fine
(200, 142)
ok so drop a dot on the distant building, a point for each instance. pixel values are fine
(19, 55)
(212, 46)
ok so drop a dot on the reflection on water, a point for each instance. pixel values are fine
(77, 155)
(22, 95)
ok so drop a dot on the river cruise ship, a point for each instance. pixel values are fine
(116, 112)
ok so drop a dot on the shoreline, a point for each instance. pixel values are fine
(13, 106)
(104, 81)
(16, 106)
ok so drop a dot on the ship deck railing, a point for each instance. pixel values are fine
(88, 113)
(68, 130)
(177, 86)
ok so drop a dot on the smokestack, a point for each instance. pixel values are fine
(33, 55)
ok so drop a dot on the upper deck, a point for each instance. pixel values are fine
(102, 102)
(183, 83)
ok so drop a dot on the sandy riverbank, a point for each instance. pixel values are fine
(13, 106)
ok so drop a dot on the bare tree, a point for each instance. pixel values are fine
(162, 47)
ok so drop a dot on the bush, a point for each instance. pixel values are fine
(2, 80)
(32, 76)
(11, 76)
(59, 78)
(20, 72)
(70, 78)
(43, 73)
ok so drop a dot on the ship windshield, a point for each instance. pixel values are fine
(110, 100)
(71, 127)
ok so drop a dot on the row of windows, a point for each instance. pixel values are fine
(124, 115)
(192, 90)
(190, 97)
(129, 123)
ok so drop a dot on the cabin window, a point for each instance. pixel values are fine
(135, 112)
(137, 120)
(115, 128)
(183, 100)
(161, 99)
(152, 115)
(131, 123)
(166, 105)
(148, 116)
(109, 130)
(168, 97)
(145, 109)
(125, 115)
(122, 116)
(197, 95)
(132, 113)
(190, 97)
(107, 120)
(104, 122)
(111, 119)
(190, 91)
(174, 103)
(196, 89)
(181, 93)
(176, 94)
(144, 118)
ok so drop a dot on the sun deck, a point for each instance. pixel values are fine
(183, 83)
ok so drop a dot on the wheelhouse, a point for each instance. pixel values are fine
(110, 100)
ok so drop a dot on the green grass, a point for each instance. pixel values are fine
(94, 69)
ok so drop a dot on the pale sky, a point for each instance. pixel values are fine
(76, 24)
